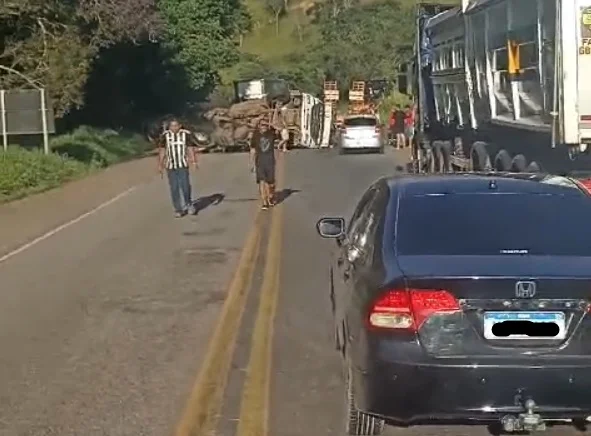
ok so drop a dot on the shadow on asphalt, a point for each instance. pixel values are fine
(203, 203)
(282, 195)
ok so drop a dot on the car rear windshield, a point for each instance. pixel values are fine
(360, 122)
(494, 224)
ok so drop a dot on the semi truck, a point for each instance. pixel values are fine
(499, 85)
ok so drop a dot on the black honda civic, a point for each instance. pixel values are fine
(464, 297)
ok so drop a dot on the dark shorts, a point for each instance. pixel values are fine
(265, 172)
(397, 129)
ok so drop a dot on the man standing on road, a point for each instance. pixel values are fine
(177, 151)
(398, 128)
(262, 162)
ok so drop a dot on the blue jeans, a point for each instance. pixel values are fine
(180, 185)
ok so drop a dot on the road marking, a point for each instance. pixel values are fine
(64, 226)
(205, 402)
(254, 407)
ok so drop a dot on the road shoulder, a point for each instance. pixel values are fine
(22, 221)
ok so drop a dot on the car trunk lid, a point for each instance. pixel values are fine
(530, 290)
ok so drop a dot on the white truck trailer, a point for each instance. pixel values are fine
(500, 85)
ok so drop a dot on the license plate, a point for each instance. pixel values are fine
(524, 325)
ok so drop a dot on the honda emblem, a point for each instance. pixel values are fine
(525, 289)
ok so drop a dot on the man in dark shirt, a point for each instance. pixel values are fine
(262, 162)
(399, 117)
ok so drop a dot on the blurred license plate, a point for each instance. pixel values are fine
(524, 325)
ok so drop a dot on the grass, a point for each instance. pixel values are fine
(272, 46)
(74, 155)
(295, 33)
(264, 42)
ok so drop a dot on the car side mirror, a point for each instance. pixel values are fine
(331, 228)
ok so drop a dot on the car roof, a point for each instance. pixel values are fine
(483, 182)
(348, 117)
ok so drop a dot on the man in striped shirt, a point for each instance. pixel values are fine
(177, 151)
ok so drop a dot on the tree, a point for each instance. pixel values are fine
(203, 33)
(364, 42)
(52, 43)
(277, 7)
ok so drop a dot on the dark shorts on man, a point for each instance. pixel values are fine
(265, 171)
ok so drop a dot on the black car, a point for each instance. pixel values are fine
(464, 297)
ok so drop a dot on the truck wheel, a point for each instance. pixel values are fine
(533, 167)
(358, 423)
(519, 163)
(503, 161)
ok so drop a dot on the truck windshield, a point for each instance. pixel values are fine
(361, 122)
(494, 224)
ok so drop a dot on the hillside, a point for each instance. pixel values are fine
(296, 31)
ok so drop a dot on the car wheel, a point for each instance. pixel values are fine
(358, 423)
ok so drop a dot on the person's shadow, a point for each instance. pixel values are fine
(283, 194)
(203, 203)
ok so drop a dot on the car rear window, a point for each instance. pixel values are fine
(494, 224)
(360, 122)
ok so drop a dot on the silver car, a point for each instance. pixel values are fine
(361, 132)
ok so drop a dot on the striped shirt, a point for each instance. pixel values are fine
(175, 145)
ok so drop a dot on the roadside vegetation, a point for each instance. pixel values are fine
(24, 171)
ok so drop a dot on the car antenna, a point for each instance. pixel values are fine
(492, 185)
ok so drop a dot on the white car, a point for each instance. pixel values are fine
(361, 132)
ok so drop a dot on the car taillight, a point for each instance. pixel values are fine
(402, 309)
(378, 130)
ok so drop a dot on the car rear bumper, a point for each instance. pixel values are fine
(411, 393)
(360, 145)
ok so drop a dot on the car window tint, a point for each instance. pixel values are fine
(361, 122)
(494, 224)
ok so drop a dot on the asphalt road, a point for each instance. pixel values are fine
(129, 322)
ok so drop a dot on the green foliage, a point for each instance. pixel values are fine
(343, 40)
(23, 172)
(392, 101)
(74, 155)
(366, 42)
(99, 148)
(202, 32)
(52, 43)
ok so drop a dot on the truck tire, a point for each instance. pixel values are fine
(533, 167)
(503, 161)
(519, 164)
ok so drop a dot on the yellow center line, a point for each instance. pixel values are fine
(205, 401)
(254, 407)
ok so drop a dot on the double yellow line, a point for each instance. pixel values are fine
(203, 409)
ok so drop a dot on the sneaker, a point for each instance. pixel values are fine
(178, 214)
(192, 210)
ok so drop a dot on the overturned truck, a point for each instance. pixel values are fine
(255, 101)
